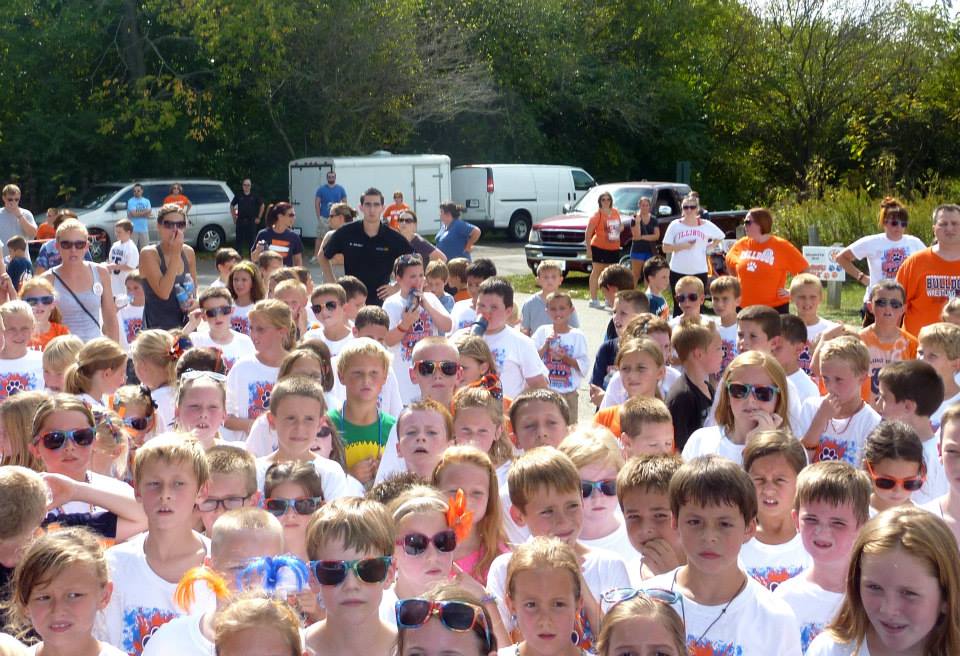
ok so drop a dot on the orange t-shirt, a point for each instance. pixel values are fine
(39, 342)
(45, 231)
(904, 347)
(179, 199)
(461, 295)
(930, 282)
(393, 212)
(610, 418)
(762, 268)
(606, 231)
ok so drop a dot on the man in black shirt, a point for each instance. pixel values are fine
(369, 247)
(247, 210)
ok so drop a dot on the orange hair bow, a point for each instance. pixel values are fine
(458, 517)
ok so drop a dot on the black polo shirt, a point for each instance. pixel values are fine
(368, 258)
(248, 206)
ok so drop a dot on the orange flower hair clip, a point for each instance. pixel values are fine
(458, 517)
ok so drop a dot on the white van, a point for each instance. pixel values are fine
(423, 179)
(515, 196)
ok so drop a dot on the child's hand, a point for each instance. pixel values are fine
(829, 408)
(61, 489)
(365, 470)
(467, 582)
(409, 317)
(783, 293)
(596, 394)
(659, 556)
(765, 420)
(306, 603)
(196, 316)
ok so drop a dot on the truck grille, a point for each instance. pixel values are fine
(561, 236)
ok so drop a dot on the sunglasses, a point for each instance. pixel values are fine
(329, 305)
(301, 505)
(174, 225)
(691, 207)
(888, 302)
(138, 423)
(78, 244)
(896, 223)
(406, 220)
(611, 598)
(34, 301)
(56, 439)
(910, 484)
(227, 503)
(692, 298)
(368, 570)
(748, 222)
(607, 488)
(762, 393)
(221, 311)
(447, 367)
(455, 615)
(415, 544)
(324, 432)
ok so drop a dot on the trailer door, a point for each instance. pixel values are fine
(305, 179)
(427, 197)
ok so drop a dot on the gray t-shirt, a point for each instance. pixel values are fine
(10, 226)
(533, 314)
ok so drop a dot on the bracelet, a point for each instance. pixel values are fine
(488, 598)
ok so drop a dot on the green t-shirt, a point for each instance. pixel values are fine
(363, 442)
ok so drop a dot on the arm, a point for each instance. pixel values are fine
(298, 259)
(472, 239)
(259, 215)
(27, 226)
(588, 233)
(438, 254)
(536, 382)
(316, 206)
(192, 269)
(654, 237)
(845, 260)
(326, 267)
(108, 308)
(407, 319)
(130, 516)
(161, 284)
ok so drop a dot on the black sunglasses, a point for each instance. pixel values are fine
(687, 297)
(691, 207)
(221, 311)
(330, 305)
(607, 488)
(902, 223)
(368, 570)
(34, 301)
(324, 432)
(227, 503)
(762, 393)
(447, 367)
(407, 220)
(415, 544)
(888, 302)
(175, 225)
(302, 505)
(138, 423)
(78, 244)
(56, 439)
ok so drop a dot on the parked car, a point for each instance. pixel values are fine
(515, 196)
(209, 227)
(561, 237)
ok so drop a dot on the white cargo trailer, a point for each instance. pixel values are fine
(423, 179)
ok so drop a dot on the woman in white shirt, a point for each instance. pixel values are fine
(687, 239)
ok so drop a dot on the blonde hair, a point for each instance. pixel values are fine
(690, 336)
(277, 314)
(852, 350)
(952, 307)
(227, 459)
(645, 607)
(490, 528)
(648, 473)
(172, 448)
(359, 524)
(588, 445)
(293, 284)
(416, 500)
(61, 352)
(804, 279)
(311, 349)
(479, 398)
(690, 281)
(16, 415)
(724, 414)
(71, 224)
(647, 347)
(42, 284)
(12, 308)
(258, 612)
(541, 468)
(59, 403)
(156, 347)
(943, 335)
(234, 523)
(477, 348)
(184, 386)
(300, 386)
(111, 435)
(96, 355)
(23, 501)
(540, 553)
(638, 411)
(924, 536)
(46, 558)
(361, 347)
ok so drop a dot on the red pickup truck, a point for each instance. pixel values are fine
(561, 237)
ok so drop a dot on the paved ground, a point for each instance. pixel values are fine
(510, 260)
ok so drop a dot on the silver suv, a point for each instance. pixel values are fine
(210, 224)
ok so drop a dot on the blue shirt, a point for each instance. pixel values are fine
(49, 256)
(329, 195)
(140, 223)
(452, 239)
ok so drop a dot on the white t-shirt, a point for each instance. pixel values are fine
(142, 601)
(105, 650)
(21, 374)
(463, 315)
(772, 564)
(517, 359)
(936, 483)
(813, 606)
(130, 318)
(824, 645)
(793, 408)
(712, 439)
(806, 388)
(884, 256)
(692, 261)
(122, 252)
(100, 482)
(249, 384)
(805, 359)
(755, 622)
(424, 326)
(262, 439)
(239, 320)
(388, 401)
(602, 570)
(843, 439)
(937, 416)
(335, 346)
(728, 342)
(561, 376)
(166, 407)
(388, 607)
(617, 543)
(240, 346)
(180, 636)
(332, 478)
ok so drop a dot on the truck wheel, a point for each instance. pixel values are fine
(520, 224)
(99, 245)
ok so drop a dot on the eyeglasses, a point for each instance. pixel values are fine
(227, 503)
(611, 598)
(691, 207)
(455, 615)
(447, 367)
(34, 301)
(301, 505)
(368, 570)
(888, 302)
(174, 225)
(329, 305)
(55, 440)
(415, 544)
(762, 393)
(909, 484)
(78, 244)
(607, 487)
(221, 311)
(138, 423)
(687, 298)
(895, 223)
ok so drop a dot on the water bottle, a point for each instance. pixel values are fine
(183, 298)
(188, 285)
(479, 327)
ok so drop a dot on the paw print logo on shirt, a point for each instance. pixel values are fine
(14, 383)
(259, 395)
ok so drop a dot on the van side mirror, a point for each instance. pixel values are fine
(664, 210)
(119, 206)
(566, 208)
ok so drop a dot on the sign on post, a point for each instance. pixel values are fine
(823, 262)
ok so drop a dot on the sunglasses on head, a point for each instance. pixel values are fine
(329, 305)
(447, 367)
(78, 244)
(888, 302)
(691, 207)
(175, 225)
(611, 598)
(692, 298)
(221, 311)
(415, 544)
(211, 504)
(34, 301)
(56, 439)
(138, 423)
(301, 505)
(368, 570)
(455, 615)
(762, 393)
(607, 488)
(909, 484)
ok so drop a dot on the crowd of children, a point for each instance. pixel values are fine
(296, 472)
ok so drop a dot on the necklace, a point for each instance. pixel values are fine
(723, 610)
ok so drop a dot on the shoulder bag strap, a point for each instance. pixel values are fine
(79, 302)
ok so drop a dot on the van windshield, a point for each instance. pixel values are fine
(625, 199)
(93, 197)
